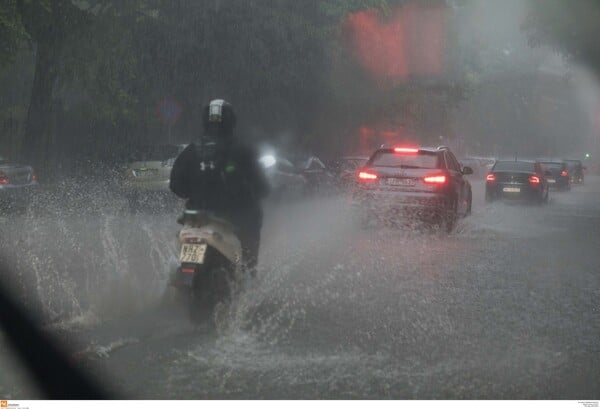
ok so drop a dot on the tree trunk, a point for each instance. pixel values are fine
(39, 129)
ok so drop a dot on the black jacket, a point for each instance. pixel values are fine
(232, 182)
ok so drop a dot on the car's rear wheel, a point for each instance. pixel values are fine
(543, 198)
(449, 216)
(469, 204)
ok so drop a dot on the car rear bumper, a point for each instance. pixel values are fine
(16, 193)
(419, 203)
(559, 183)
(576, 178)
(526, 192)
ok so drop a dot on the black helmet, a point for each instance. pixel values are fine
(218, 118)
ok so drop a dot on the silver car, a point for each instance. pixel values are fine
(147, 174)
(285, 180)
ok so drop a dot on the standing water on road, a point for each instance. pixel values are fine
(501, 308)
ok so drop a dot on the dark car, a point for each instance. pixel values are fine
(557, 174)
(427, 183)
(516, 179)
(575, 169)
(16, 184)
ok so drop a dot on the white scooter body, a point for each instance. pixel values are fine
(214, 232)
(210, 260)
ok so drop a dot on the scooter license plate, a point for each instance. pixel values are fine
(192, 253)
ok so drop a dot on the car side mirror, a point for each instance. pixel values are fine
(467, 170)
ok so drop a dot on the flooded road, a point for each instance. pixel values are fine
(505, 307)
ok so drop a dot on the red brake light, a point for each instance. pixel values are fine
(435, 179)
(34, 177)
(365, 175)
(490, 177)
(534, 180)
(401, 149)
(564, 173)
(3, 180)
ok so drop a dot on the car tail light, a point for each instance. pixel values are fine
(435, 179)
(404, 149)
(564, 173)
(365, 176)
(534, 180)
(490, 177)
(3, 179)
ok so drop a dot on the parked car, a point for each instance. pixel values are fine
(558, 174)
(414, 182)
(575, 169)
(319, 178)
(285, 180)
(17, 182)
(475, 164)
(487, 163)
(517, 179)
(147, 175)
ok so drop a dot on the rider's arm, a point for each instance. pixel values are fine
(180, 174)
(256, 174)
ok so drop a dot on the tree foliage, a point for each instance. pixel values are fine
(571, 27)
(12, 32)
(102, 67)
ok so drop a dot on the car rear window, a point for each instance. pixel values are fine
(514, 166)
(552, 165)
(573, 164)
(426, 160)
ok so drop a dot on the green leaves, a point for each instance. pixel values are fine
(12, 32)
(570, 27)
(282, 62)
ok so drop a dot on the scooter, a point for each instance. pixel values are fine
(210, 259)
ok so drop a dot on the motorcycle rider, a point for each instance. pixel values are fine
(217, 172)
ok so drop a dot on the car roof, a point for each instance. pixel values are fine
(551, 160)
(518, 160)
